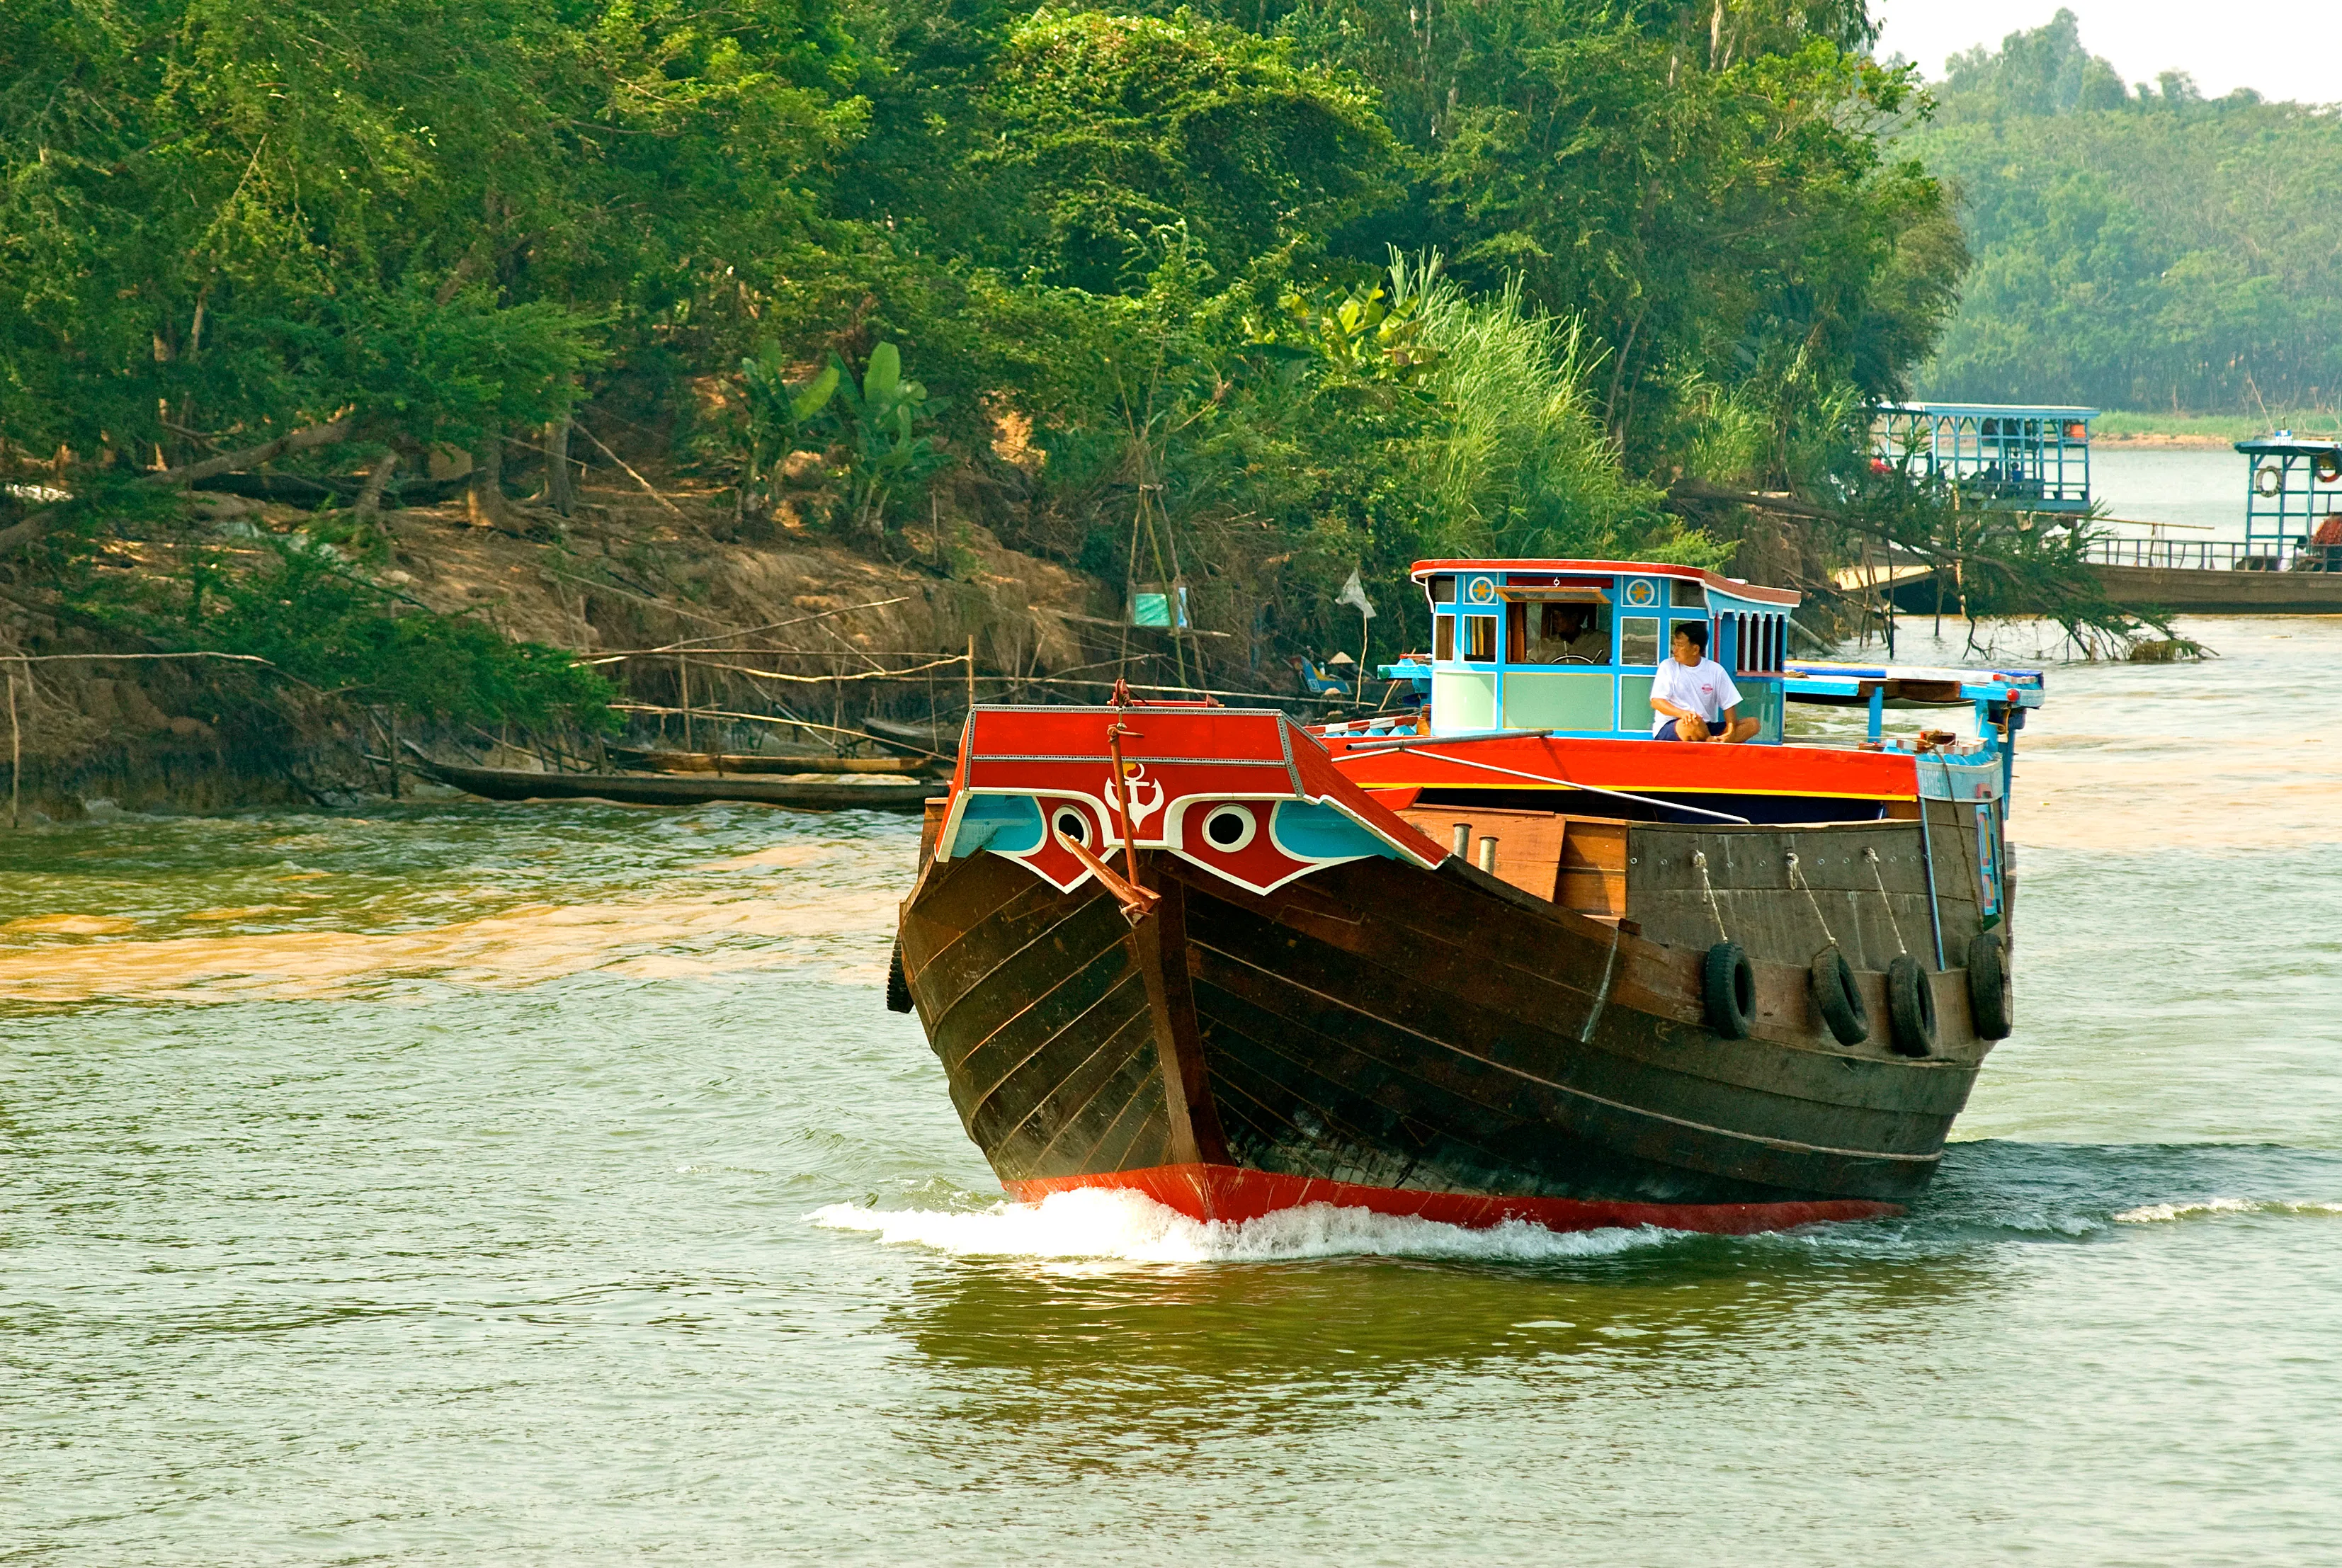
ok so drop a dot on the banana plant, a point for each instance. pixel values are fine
(1366, 334)
(779, 418)
(884, 410)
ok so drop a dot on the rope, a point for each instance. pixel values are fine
(1872, 856)
(706, 662)
(1699, 862)
(1797, 879)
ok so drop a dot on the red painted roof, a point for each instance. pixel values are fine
(1732, 586)
(1226, 749)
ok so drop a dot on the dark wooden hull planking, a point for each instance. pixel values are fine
(1458, 1045)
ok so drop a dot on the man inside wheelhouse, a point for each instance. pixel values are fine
(1562, 632)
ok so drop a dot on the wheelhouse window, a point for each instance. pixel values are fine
(1557, 632)
(1638, 640)
(1443, 589)
(1443, 637)
(1686, 594)
(1480, 639)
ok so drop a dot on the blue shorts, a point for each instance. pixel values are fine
(1666, 732)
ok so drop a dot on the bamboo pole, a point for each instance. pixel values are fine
(15, 754)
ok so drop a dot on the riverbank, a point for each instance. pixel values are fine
(2205, 432)
(691, 618)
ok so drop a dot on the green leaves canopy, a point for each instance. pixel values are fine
(1687, 244)
(226, 215)
(2154, 251)
(1105, 130)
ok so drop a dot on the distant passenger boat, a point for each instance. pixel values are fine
(2021, 458)
(2289, 561)
(1509, 958)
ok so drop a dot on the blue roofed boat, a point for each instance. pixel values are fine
(2015, 456)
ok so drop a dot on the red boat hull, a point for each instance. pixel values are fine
(1232, 1193)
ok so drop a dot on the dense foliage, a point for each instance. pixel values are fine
(294, 604)
(1260, 294)
(2136, 248)
(337, 634)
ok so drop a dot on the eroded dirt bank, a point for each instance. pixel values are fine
(626, 573)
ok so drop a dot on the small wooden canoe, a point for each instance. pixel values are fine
(939, 742)
(749, 763)
(690, 789)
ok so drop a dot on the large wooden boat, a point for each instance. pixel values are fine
(1506, 958)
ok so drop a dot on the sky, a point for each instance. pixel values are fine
(2279, 49)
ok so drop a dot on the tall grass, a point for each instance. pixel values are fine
(1518, 462)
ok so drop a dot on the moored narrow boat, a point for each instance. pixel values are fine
(683, 789)
(1509, 958)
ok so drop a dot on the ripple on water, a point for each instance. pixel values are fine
(1130, 1228)
(450, 1203)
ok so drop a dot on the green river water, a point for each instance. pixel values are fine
(495, 1184)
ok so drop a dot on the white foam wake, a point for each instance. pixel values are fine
(1100, 1223)
(2156, 1214)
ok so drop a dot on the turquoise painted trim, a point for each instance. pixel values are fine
(1559, 699)
(1762, 699)
(1463, 699)
(1635, 714)
(1309, 832)
(1006, 824)
(1966, 779)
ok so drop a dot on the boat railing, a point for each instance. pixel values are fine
(2284, 554)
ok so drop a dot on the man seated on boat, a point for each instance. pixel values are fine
(1693, 699)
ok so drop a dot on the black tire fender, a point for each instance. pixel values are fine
(1990, 1000)
(1910, 1008)
(1836, 998)
(898, 988)
(1728, 987)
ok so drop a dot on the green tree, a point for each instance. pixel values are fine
(1105, 131)
(2150, 250)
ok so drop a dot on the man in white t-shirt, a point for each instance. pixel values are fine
(1692, 697)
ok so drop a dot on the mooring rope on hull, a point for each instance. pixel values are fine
(1797, 879)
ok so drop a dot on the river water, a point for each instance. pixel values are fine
(2199, 492)
(547, 1185)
